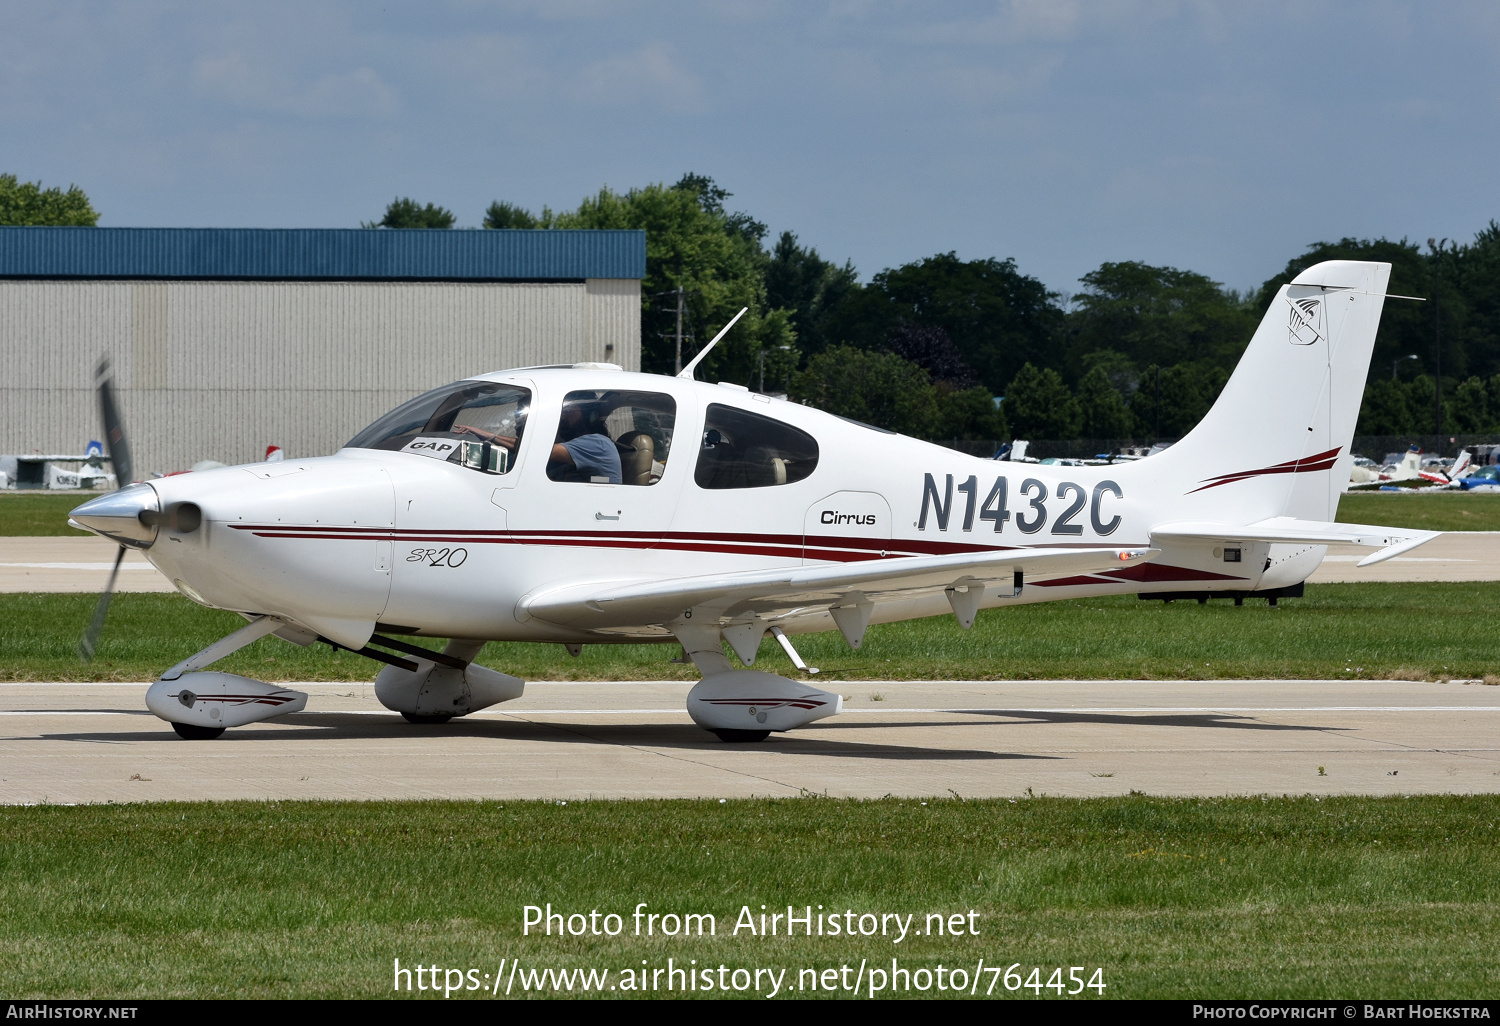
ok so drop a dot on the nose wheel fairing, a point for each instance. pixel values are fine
(212, 700)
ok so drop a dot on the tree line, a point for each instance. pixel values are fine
(1138, 352)
(927, 348)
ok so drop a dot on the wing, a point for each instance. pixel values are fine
(767, 594)
(1391, 541)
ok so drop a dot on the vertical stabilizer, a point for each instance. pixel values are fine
(1276, 443)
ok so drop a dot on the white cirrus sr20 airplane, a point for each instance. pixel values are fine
(586, 505)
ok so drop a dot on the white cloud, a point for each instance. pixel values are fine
(645, 75)
(260, 87)
(488, 67)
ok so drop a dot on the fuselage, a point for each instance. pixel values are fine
(450, 543)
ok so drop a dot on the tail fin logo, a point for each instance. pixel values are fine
(1305, 324)
(1306, 465)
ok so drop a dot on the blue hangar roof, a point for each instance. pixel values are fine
(322, 254)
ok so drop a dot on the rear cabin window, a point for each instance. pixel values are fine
(747, 450)
(613, 437)
(477, 424)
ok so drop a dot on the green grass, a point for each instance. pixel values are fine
(1210, 898)
(1410, 631)
(38, 514)
(1424, 511)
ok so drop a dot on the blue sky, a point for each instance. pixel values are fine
(1220, 137)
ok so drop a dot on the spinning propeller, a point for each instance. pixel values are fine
(119, 455)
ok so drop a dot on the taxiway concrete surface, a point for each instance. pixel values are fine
(1455, 556)
(97, 743)
(82, 564)
(73, 564)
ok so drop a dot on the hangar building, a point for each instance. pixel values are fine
(226, 340)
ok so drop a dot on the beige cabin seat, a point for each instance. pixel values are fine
(635, 464)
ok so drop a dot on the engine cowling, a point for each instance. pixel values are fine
(213, 699)
(751, 701)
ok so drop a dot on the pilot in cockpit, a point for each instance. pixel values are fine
(582, 451)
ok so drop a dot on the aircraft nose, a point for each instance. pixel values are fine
(129, 516)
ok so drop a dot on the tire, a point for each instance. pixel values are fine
(427, 720)
(742, 736)
(189, 732)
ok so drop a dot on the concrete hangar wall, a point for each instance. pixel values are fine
(224, 341)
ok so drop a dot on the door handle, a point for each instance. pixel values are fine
(606, 516)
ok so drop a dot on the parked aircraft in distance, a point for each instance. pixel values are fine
(587, 505)
(1412, 468)
(1485, 479)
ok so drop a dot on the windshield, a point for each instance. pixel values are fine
(476, 423)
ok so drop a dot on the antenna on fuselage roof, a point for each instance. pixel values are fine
(687, 372)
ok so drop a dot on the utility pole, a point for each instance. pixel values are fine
(1437, 343)
(681, 294)
(677, 368)
(1437, 334)
(1158, 402)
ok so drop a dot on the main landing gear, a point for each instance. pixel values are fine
(746, 706)
(432, 688)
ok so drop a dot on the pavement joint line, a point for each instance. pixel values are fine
(1355, 559)
(1342, 735)
(1398, 746)
(671, 756)
(80, 566)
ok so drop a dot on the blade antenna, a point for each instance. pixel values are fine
(687, 372)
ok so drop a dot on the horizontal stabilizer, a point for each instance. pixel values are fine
(1391, 541)
(767, 592)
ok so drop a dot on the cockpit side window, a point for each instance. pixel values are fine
(746, 450)
(613, 437)
(477, 424)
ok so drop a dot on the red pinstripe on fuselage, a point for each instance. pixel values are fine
(840, 550)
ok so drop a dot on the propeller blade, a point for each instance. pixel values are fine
(114, 430)
(119, 455)
(91, 636)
